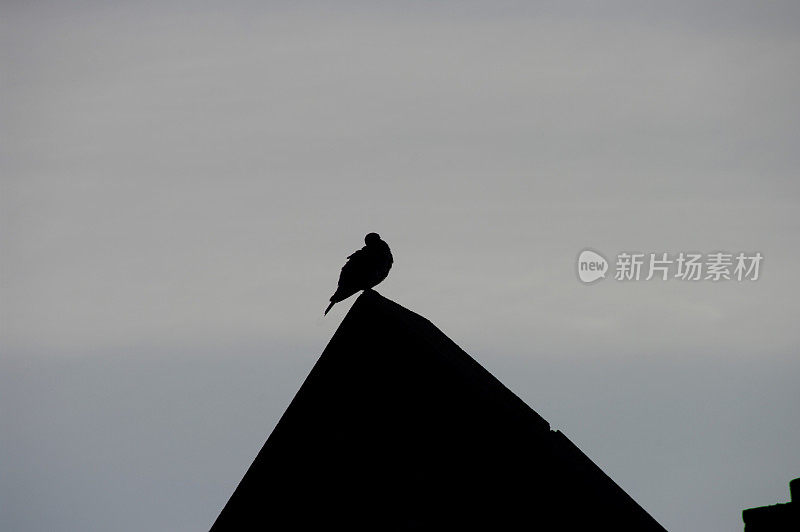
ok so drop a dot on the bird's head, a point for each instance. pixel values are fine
(372, 239)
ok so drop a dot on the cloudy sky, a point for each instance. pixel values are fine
(181, 183)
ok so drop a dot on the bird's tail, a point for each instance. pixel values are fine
(339, 295)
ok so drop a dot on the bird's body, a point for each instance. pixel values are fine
(364, 269)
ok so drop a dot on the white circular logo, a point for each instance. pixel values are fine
(591, 266)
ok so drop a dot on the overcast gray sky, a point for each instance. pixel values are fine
(181, 183)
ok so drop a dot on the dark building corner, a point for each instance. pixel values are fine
(775, 517)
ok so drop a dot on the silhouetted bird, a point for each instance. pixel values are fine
(364, 269)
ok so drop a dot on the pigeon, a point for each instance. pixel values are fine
(364, 269)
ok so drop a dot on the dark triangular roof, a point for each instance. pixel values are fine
(397, 428)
